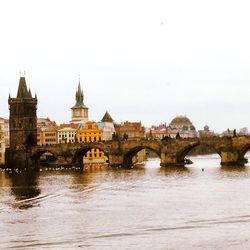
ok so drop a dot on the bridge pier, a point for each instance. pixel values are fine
(170, 160)
(18, 159)
(116, 160)
(231, 158)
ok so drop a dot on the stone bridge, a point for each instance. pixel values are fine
(171, 152)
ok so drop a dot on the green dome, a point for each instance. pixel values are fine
(181, 120)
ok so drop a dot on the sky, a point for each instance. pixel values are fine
(140, 60)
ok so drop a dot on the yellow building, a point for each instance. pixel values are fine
(89, 132)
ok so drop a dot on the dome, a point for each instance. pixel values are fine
(180, 120)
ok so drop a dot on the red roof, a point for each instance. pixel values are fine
(69, 125)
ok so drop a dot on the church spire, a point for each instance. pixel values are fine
(79, 97)
(23, 91)
(79, 110)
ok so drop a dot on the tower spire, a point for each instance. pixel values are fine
(79, 110)
(22, 88)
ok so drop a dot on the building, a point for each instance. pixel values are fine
(206, 132)
(45, 122)
(66, 133)
(243, 131)
(89, 132)
(182, 125)
(79, 112)
(133, 130)
(4, 138)
(46, 131)
(228, 133)
(47, 135)
(107, 126)
(4, 124)
(2, 147)
(160, 131)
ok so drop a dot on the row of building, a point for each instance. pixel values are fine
(179, 126)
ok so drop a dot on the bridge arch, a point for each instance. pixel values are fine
(36, 156)
(242, 153)
(181, 155)
(79, 154)
(128, 156)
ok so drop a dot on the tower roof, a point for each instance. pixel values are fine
(79, 98)
(23, 91)
(107, 117)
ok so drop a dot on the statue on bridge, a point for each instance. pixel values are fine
(178, 136)
(125, 137)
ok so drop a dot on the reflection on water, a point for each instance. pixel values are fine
(200, 206)
(182, 170)
(24, 187)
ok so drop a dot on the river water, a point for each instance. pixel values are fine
(146, 207)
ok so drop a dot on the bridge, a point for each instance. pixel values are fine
(172, 152)
(23, 151)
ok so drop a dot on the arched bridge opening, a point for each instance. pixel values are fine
(90, 156)
(44, 157)
(199, 152)
(244, 154)
(138, 155)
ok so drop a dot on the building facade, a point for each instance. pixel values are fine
(5, 138)
(89, 132)
(206, 132)
(133, 130)
(66, 133)
(107, 126)
(47, 135)
(161, 131)
(45, 122)
(2, 147)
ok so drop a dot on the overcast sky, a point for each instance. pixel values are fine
(141, 60)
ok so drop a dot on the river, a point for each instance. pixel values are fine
(146, 207)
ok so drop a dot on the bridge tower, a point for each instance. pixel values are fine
(23, 126)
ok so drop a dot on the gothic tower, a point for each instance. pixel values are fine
(79, 112)
(23, 125)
